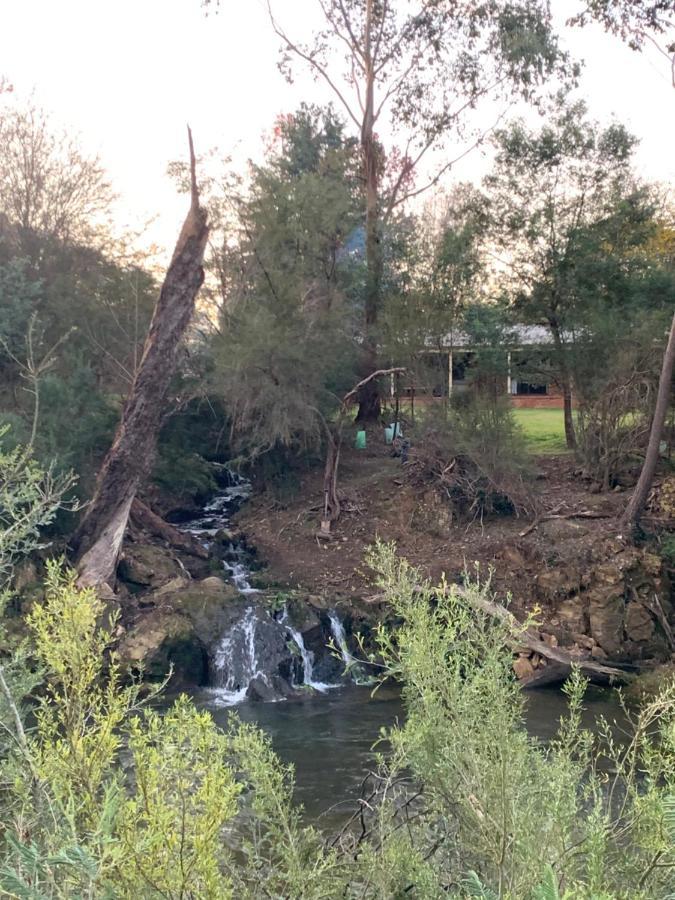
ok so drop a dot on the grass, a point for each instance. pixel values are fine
(544, 429)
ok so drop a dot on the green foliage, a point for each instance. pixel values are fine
(522, 818)
(286, 349)
(109, 798)
(477, 458)
(29, 500)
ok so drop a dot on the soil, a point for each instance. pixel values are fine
(379, 501)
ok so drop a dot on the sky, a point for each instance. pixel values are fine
(127, 75)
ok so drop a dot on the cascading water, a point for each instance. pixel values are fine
(238, 661)
(235, 663)
(307, 658)
(338, 630)
(215, 517)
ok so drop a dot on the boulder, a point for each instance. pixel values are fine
(160, 642)
(523, 667)
(606, 615)
(639, 623)
(211, 605)
(148, 566)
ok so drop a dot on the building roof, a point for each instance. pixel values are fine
(526, 335)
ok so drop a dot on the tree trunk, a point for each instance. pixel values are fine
(142, 516)
(98, 540)
(570, 433)
(369, 396)
(634, 510)
(565, 385)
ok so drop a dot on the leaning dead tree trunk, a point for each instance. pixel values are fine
(663, 398)
(98, 540)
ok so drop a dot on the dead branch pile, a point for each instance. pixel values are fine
(477, 478)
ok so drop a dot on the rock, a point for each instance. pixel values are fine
(606, 607)
(583, 640)
(523, 667)
(639, 623)
(176, 584)
(260, 689)
(550, 639)
(211, 605)
(598, 653)
(146, 565)
(571, 615)
(160, 642)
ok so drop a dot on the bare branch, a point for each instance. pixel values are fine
(295, 48)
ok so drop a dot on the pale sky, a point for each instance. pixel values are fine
(128, 74)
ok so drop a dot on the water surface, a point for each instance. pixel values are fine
(330, 738)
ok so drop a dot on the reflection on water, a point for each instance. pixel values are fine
(329, 738)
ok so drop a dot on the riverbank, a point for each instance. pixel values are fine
(570, 566)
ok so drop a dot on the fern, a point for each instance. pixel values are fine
(474, 887)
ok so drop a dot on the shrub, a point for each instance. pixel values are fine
(496, 811)
(477, 458)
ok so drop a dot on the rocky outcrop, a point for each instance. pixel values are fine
(616, 601)
(177, 628)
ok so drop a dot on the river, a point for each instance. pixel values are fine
(329, 738)
(329, 735)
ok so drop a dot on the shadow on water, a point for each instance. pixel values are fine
(330, 738)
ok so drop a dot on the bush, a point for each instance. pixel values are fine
(613, 428)
(110, 798)
(495, 810)
(477, 458)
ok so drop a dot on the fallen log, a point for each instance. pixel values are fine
(582, 514)
(566, 659)
(145, 518)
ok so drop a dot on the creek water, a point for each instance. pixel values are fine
(331, 738)
(329, 732)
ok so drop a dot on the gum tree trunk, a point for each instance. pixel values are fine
(636, 506)
(98, 540)
(369, 396)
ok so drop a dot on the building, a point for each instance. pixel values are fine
(520, 370)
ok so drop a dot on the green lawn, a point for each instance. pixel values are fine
(544, 429)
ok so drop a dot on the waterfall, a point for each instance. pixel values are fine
(307, 657)
(340, 637)
(239, 573)
(235, 661)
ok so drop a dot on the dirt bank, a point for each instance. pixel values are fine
(591, 585)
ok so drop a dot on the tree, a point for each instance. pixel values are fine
(426, 68)
(663, 400)
(550, 192)
(637, 23)
(284, 352)
(98, 539)
(440, 272)
(48, 186)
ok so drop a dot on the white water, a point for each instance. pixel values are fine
(235, 661)
(307, 658)
(338, 630)
(215, 517)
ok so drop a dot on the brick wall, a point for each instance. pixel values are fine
(537, 401)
